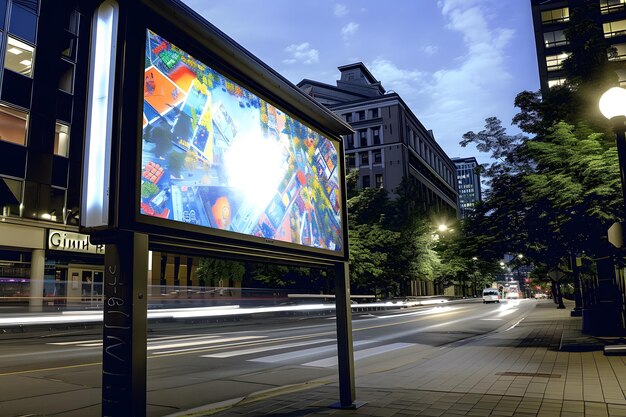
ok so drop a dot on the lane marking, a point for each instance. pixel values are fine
(299, 353)
(513, 326)
(360, 354)
(241, 352)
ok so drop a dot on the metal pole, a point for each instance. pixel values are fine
(125, 326)
(347, 392)
(619, 127)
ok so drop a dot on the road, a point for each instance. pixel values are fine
(190, 365)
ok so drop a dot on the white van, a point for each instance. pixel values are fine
(491, 295)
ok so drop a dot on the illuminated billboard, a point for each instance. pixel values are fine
(215, 155)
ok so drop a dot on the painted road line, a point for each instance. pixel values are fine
(241, 352)
(360, 354)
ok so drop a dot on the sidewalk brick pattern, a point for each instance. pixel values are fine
(517, 372)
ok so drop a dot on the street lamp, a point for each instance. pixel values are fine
(613, 107)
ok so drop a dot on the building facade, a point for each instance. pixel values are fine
(469, 184)
(389, 143)
(44, 261)
(551, 19)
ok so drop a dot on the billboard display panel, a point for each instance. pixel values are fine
(216, 155)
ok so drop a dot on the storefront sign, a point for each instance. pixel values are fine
(72, 242)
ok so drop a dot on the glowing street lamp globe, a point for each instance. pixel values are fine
(613, 103)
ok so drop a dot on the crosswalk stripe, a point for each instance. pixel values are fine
(359, 354)
(203, 342)
(264, 349)
(299, 353)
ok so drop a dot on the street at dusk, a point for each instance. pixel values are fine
(313, 208)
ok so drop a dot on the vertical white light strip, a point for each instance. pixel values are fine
(97, 161)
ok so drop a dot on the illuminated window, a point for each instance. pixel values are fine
(555, 62)
(556, 38)
(379, 180)
(614, 28)
(555, 15)
(13, 125)
(19, 57)
(611, 6)
(61, 140)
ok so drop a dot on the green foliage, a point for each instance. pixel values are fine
(211, 270)
(277, 276)
(390, 240)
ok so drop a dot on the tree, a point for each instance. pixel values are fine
(213, 270)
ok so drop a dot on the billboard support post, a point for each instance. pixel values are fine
(347, 391)
(124, 369)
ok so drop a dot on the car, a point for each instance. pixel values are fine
(491, 295)
(512, 295)
(540, 295)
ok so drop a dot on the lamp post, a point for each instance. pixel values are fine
(613, 107)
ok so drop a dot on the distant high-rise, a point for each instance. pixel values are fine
(469, 184)
(551, 19)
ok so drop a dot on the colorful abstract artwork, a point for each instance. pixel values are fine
(216, 155)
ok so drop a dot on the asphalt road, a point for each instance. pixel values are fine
(191, 365)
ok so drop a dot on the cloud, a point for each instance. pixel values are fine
(340, 10)
(468, 91)
(349, 30)
(402, 81)
(301, 53)
(430, 49)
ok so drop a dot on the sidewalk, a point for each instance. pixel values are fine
(517, 371)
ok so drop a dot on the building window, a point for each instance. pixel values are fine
(616, 28)
(555, 15)
(365, 160)
(555, 62)
(556, 38)
(13, 125)
(379, 180)
(66, 81)
(611, 6)
(12, 208)
(19, 57)
(366, 181)
(350, 141)
(3, 11)
(556, 82)
(378, 157)
(376, 135)
(618, 52)
(351, 163)
(61, 140)
(363, 138)
(23, 20)
(374, 113)
(348, 117)
(361, 115)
